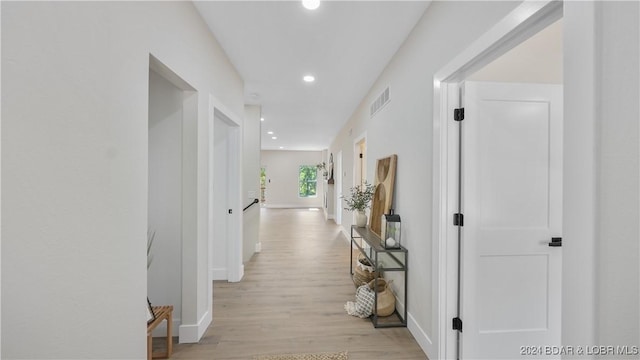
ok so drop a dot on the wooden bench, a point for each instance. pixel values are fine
(161, 313)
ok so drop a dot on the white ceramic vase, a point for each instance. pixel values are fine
(361, 219)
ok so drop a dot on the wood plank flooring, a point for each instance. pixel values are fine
(291, 299)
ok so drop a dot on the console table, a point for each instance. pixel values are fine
(393, 262)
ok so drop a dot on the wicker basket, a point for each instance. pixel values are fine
(363, 272)
(386, 299)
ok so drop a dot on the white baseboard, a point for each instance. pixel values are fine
(240, 275)
(219, 274)
(328, 216)
(421, 337)
(189, 334)
(292, 206)
(347, 236)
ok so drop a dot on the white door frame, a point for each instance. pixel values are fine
(337, 177)
(356, 149)
(235, 267)
(526, 20)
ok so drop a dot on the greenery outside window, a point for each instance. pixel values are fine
(263, 183)
(307, 181)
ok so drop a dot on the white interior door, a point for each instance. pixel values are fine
(512, 206)
(220, 201)
(337, 175)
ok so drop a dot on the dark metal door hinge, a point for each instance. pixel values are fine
(457, 324)
(458, 114)
(458, 219)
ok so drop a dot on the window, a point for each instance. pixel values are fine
(263, 183)
(307, 181)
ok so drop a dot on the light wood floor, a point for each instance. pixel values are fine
(292, 297)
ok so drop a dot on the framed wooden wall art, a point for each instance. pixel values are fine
(385, 177)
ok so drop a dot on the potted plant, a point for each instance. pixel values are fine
(359, 200)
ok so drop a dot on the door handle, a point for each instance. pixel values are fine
(556, 242)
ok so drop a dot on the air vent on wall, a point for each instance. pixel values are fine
(380, 102)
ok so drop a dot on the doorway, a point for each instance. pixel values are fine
(172, 104)
(453, 185)
(225, 200)
(220, 190)
(360, 161)
(338, 176)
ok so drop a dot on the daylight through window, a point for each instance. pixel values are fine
(307, 181)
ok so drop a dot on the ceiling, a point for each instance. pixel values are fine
(345, 45)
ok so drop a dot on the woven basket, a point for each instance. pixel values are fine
(386, 299)
(363, 272)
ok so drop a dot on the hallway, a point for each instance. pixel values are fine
(291, 299)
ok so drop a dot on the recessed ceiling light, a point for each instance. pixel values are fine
(281, 147)
(261, 119)
(270, 132)
(309, 78)
(274, 137)
(311, 4)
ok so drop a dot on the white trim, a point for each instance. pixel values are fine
(338, 177)
(420, 335)
(346, 234)
(193, 333)
(258, 247)
(445, 270)
(581, 114)
(520, 24)
(219, 274)
(292, 206)
(168, 74)
(524, 21)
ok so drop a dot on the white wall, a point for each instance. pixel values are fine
(600, 259)
(601, 271)
(618, 231)
(282, 169)
(74, 156)
(164, 280)
(403, 127)
(251, 141)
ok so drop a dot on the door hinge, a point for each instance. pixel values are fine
(458, 219)
(458, 114)
(457, 324)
